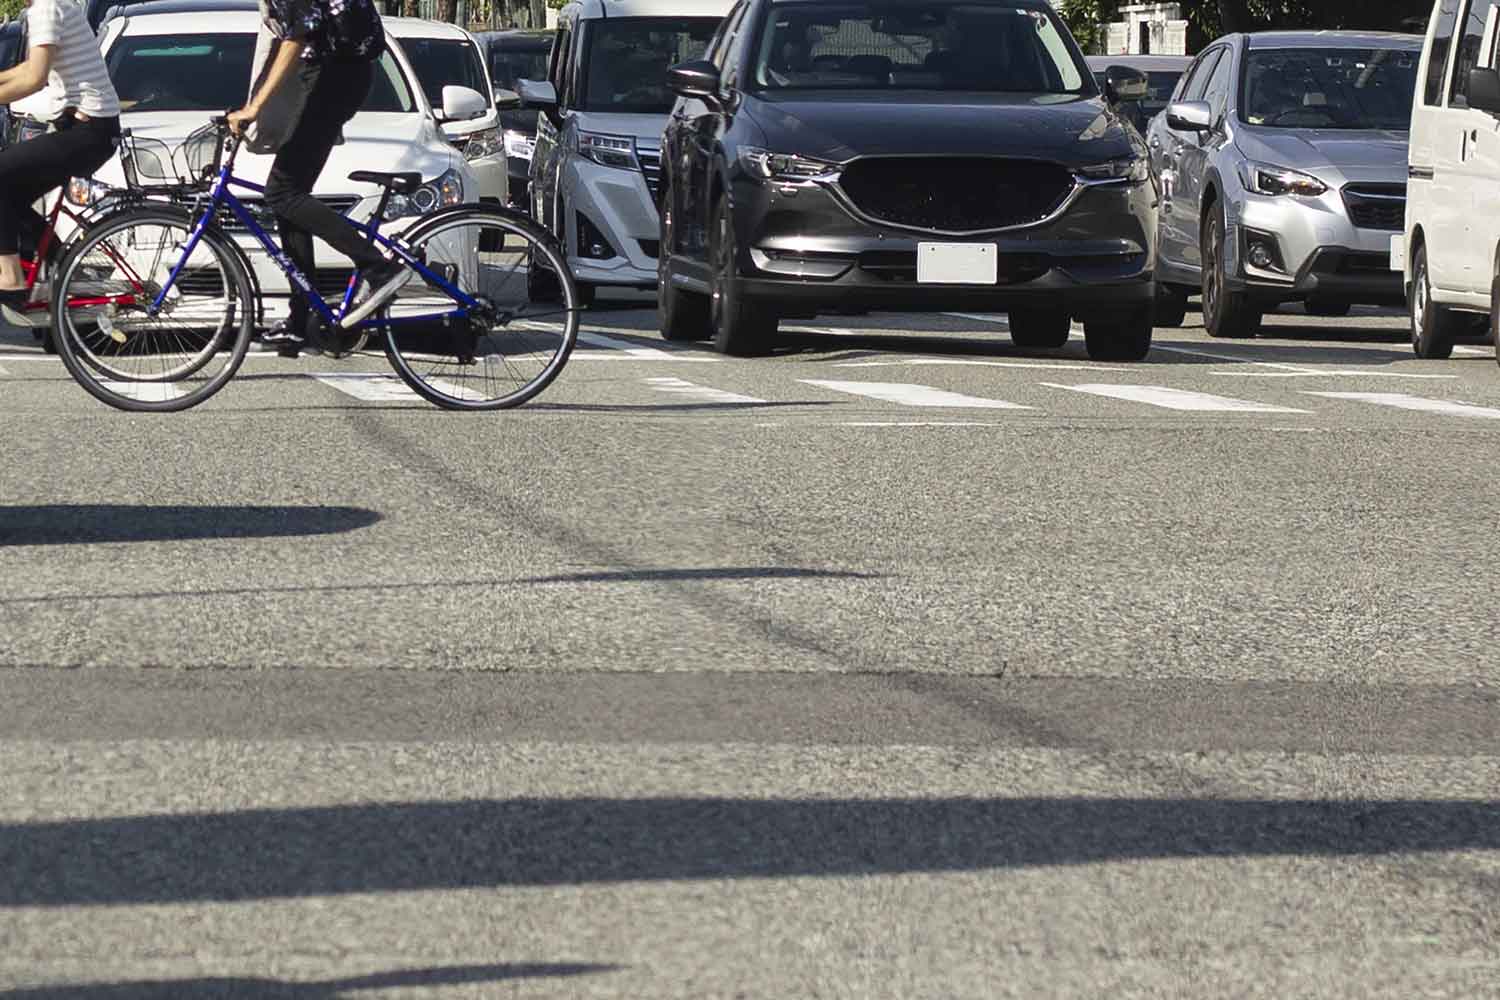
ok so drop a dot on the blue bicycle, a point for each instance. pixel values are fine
(155, 304)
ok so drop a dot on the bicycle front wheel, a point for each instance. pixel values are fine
(128, 344)
(508, 347)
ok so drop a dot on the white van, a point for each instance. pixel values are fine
(1450, 251)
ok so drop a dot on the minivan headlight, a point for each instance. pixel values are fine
(439, 193)
(82, 191)
(1264, 179)
(1133, 169)
(764, 165)
(482, 144)
(608, 150)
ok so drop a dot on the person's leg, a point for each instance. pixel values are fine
(29, 170)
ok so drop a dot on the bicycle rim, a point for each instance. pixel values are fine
(510, 348)
(122, 352)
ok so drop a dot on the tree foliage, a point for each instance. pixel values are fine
(11, 9)
(1208, 19)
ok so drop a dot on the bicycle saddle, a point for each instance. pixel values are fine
(402, 183)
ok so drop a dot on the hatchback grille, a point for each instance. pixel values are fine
(1376, 206)
(230, 223)
(956, 194)
(651, 167)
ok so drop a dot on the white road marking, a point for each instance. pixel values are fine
(1402, 401)
(371, 388)
(913, 395)
(3, 372)
(630, 351)
(1473, 352)
(146, 392)
(1230, 357)
(916, 423)
(1175, 399)
(701, 393)
(1340, 372)
(978, 363)
(1001, 319)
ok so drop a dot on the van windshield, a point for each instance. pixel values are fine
(627, 58)
(1330, 88)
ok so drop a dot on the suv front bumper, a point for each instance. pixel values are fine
(619, 205)
(1317, 251)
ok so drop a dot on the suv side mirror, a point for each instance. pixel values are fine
(698, 78)
(538, 94)
(1123, 84)
(1484, 90)
(506, 100)
(461, 104)
(1190, 116)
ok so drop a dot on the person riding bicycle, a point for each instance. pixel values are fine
(332, 45)
(62, 60)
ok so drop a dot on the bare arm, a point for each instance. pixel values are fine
(27, 78)
(284, 65)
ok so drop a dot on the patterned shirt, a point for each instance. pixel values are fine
(329, 29)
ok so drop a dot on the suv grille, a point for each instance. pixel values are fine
(651, 167)
(1376, 206)
(956, 194)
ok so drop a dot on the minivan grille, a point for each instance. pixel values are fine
(956, 194)
(1376, 206)
(651, 167)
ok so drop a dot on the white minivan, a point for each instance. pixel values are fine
(1449, 253)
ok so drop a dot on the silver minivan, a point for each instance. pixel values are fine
(602, 109)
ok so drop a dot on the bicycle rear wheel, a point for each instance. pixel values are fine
(122, 352)
(509, 348)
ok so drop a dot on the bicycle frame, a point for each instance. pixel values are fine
(32, 268)
(221, 194)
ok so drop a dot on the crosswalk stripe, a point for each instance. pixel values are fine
(1404, 401)
(701, 393)
(3, 372)
(630, 351)
(1175, 399)
(146, 392)
(370, 388)
(913, 395)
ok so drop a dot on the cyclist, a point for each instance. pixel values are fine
(332, 46)
(63, 63)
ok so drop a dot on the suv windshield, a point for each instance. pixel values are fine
(1330, 88)
(628, 57)
(921, 46)
(210, 73)
(1159, 87)
(445, 62)
(509, 65)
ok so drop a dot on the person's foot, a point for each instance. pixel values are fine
(381, 283)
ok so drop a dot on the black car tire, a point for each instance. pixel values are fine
(586, 294)
(1040, 328)
(1495, 315)
(742, 325)
(542, 285)
(682, 315)
(1226, 313)
(1331, 308)
(1171, 305)
(1125, 339)
(1433, 326)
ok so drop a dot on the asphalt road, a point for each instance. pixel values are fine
(900, 663)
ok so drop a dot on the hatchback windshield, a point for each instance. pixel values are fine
(211, 73)
(1330, 88)
(445, 62)
(509, 65)
(628, 58)
(1159, 87)
(919, 46)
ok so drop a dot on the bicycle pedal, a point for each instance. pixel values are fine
(108, 326)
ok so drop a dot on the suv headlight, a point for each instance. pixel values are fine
(762, 164)
(439, 193)
(519, 144)
(82, 191)
(1133, 169)
(482, 144)
(608, 150)
(1264, 179)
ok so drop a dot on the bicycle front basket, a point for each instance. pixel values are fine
(200, 154)
(147, 162)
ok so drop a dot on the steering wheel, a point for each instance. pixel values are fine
(1325, 116)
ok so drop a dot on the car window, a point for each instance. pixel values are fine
(445, 62)
(510, 65)
(723, 40)
(1466, 56)
(1330, 88)
(932, 46)
(1437, 62)
(558, 59)
(1202, 71)
(1217, 91)
(627, 60)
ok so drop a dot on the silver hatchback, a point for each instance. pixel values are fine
(1282, 164)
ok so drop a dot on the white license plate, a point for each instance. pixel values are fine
(956, 264)
(1398, 252)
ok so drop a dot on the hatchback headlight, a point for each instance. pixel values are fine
(82, 191)
(519, 144)
(608, 150)
(1131, 168)
(1263, 179)
(762, 164)
(445, 190)
(482, 144)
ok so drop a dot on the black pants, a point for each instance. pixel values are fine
(30, 169)
(336, 90)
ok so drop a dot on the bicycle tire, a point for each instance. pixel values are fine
(230, 334)
(530, 241)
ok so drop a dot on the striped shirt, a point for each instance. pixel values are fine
(78, 78)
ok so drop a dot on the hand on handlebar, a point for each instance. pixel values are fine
(242, 119)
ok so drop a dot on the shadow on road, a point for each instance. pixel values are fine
(420, 846)
(175, 989)
(91, 524)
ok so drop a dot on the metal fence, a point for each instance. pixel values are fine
(476, 15)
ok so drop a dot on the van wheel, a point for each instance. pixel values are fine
(682, 315)
(1171, 306)
(1495, 315)
(1040, 328)
(1127, 338)
(1226, 313)
(742, 325)
(1433, 326)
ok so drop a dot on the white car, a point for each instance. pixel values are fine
(174, 69)
(444, 57)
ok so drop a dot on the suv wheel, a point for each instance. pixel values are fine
(1171, 305)
(1040, 328)
(541, 284)
(1433, 326)
(682, 315)
(1226, 313)
(1127, 338)
(742, 325)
